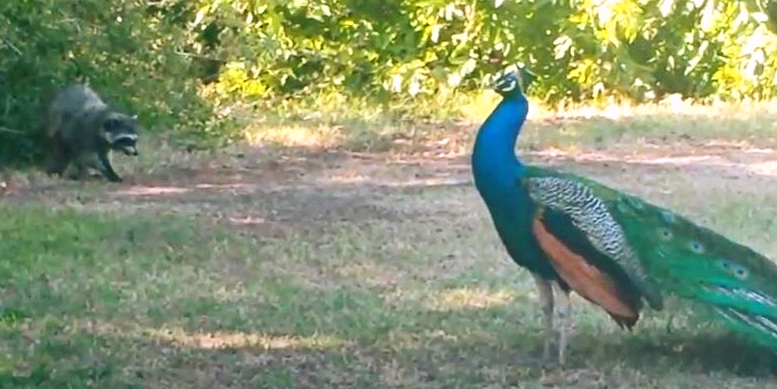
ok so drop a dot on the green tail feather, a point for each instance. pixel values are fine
(694, 262)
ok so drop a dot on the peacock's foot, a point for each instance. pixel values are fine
(550, 360)
(551, 364)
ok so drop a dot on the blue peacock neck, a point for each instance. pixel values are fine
(494, 163)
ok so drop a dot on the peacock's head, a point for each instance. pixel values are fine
(512, 83)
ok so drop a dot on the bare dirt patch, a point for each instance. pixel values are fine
(297, 185)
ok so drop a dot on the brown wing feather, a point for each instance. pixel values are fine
(584, 278)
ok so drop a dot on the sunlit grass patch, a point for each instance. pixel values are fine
(221, 340)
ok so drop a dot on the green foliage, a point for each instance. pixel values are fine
(155, 57)
(591, 49)
(127, 53)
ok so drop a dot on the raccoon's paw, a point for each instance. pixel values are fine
(53, 173)
(111, 177)
(55, 170)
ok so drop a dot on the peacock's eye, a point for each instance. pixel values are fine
(665, 234)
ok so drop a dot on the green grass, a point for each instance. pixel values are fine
(284, 267)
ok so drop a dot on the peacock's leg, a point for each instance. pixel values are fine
(546, 302)
(669, 323)
(564, 306)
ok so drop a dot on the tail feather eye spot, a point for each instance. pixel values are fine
(668, 216)
(740, 272)
(697, 247)
(665, 234)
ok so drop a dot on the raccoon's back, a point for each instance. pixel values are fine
(78, 94)
(72, 109)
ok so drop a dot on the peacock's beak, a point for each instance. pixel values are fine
(492, 84)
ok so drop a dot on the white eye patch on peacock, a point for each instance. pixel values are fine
(508, 85)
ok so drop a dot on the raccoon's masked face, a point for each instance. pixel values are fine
(121, 133)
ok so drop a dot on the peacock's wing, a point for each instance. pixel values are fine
(588, 271)
(694, 262)
(570, 205)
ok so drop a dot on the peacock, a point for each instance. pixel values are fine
(615, 250)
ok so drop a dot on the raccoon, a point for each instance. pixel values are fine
(82, 129)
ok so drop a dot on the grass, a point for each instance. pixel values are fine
(314, 263)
